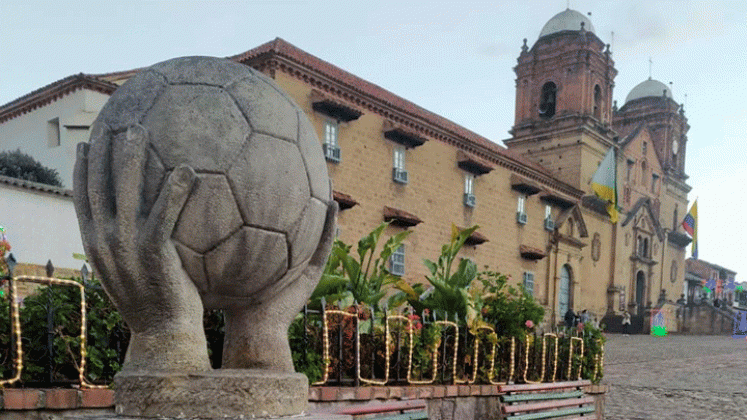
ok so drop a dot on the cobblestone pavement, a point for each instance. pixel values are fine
(675, 377)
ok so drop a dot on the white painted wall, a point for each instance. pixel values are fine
(40, 226)
(28, 132)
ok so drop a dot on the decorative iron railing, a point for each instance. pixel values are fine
(358, 346)
(397, 348)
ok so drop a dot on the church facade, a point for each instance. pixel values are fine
(391, 160)
(566, 121)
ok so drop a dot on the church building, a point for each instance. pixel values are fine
(391, 160)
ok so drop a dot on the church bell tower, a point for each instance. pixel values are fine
(564, 88)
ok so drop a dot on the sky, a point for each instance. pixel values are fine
(453, 58)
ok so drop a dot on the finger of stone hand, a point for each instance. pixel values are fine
(319, 259)
(168, 206)
(128, 160)
(117, 285)
(80, 186)
(99, 174)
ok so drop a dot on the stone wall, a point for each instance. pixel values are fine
(41, 225)
(704, 319)
(444, 402)
(690, 319)
(54, 404)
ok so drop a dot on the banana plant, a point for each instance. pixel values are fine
(363, 276)
(449, 291)
(333, 285)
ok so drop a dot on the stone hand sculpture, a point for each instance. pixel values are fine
(134, 255)
(204, 186)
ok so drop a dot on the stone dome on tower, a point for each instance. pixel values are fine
(567, 20)
(649, 88)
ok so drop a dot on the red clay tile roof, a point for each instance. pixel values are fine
(52, 92)
(30, 185)
(333, 107)
(280, 48)
(400, 217)
(704, 268)
(401, 134)
(117, 75)
(343, 200)
(472, 163)
(531, 253)
(524, 185)
(476, 238)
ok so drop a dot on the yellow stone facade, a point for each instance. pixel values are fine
(548, 161)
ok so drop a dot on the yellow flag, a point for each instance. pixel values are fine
(604, 183)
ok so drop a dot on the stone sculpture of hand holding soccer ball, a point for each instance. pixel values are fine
(204, 187)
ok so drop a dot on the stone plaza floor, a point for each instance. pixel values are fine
(675, 377)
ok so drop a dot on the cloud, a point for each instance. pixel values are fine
(652, 29)
(496, 49)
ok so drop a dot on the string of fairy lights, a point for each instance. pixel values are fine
(570, 356)
(454, 377)
(599, 358)
(16, 320)
(409, 328)
(545, 337)
(476, 355)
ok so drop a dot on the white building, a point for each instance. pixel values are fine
(49, 122)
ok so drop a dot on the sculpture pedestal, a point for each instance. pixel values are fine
(248, 393)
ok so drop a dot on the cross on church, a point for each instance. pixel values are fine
(650, 63)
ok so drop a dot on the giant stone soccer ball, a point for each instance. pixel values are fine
(258, 206)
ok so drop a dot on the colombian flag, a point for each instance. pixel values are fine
(690, 224)
(604, 183)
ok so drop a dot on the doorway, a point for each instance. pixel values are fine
(640, 286)
(564, 296)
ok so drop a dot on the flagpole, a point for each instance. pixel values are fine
(614, 238)
(690, 225)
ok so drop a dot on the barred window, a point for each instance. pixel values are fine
(397, 262)
(529, 283)
(469, 184)
(399, 158)
(521, 204)
(330, 132)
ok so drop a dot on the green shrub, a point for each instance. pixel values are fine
(505, 307)
(593, 343)
(107, 336)
(307, 359)
(19, 165)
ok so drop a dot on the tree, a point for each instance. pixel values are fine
(19, 165)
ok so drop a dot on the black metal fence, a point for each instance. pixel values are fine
(355, 347)
(350, 347)
(59, 335)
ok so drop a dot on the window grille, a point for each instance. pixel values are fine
(397, 262)
(529, 283)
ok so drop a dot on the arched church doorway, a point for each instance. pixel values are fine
(564, 296)
(640, 285)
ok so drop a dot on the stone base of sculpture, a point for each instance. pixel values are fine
(247, 393)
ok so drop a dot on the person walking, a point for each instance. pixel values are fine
(584, 317)
(626, 323)
(570, 318)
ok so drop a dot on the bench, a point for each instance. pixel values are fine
(547, 401)
(400, 410)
